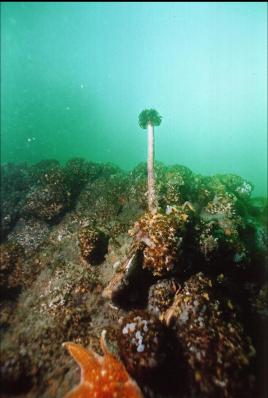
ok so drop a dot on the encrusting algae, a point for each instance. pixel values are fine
(101, 376)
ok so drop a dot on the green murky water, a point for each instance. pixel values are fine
(76, 75)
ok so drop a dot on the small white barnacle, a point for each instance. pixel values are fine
(125, 330)
(132, 326)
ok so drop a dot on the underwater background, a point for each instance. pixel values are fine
(74, 77)
(160, 268)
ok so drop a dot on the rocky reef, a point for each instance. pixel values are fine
(182, 293)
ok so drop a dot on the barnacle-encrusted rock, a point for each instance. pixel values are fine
(30, 233)
(162, 236)
(42, 167)
(15, 372)
(104, 198)
(50, 198)
(161, 296)
(10, 270)
(258, 209)
(78, 172)
(174, 185)
(57, 309)
(15, 183)
(45, 205)
(219, 228)
(142, 343)
(93, 244)
(214, 345)
(56, 188)
(203, 189)
(203, 223)
(260, 304)
(233, 184)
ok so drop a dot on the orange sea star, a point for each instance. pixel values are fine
(101, 376)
